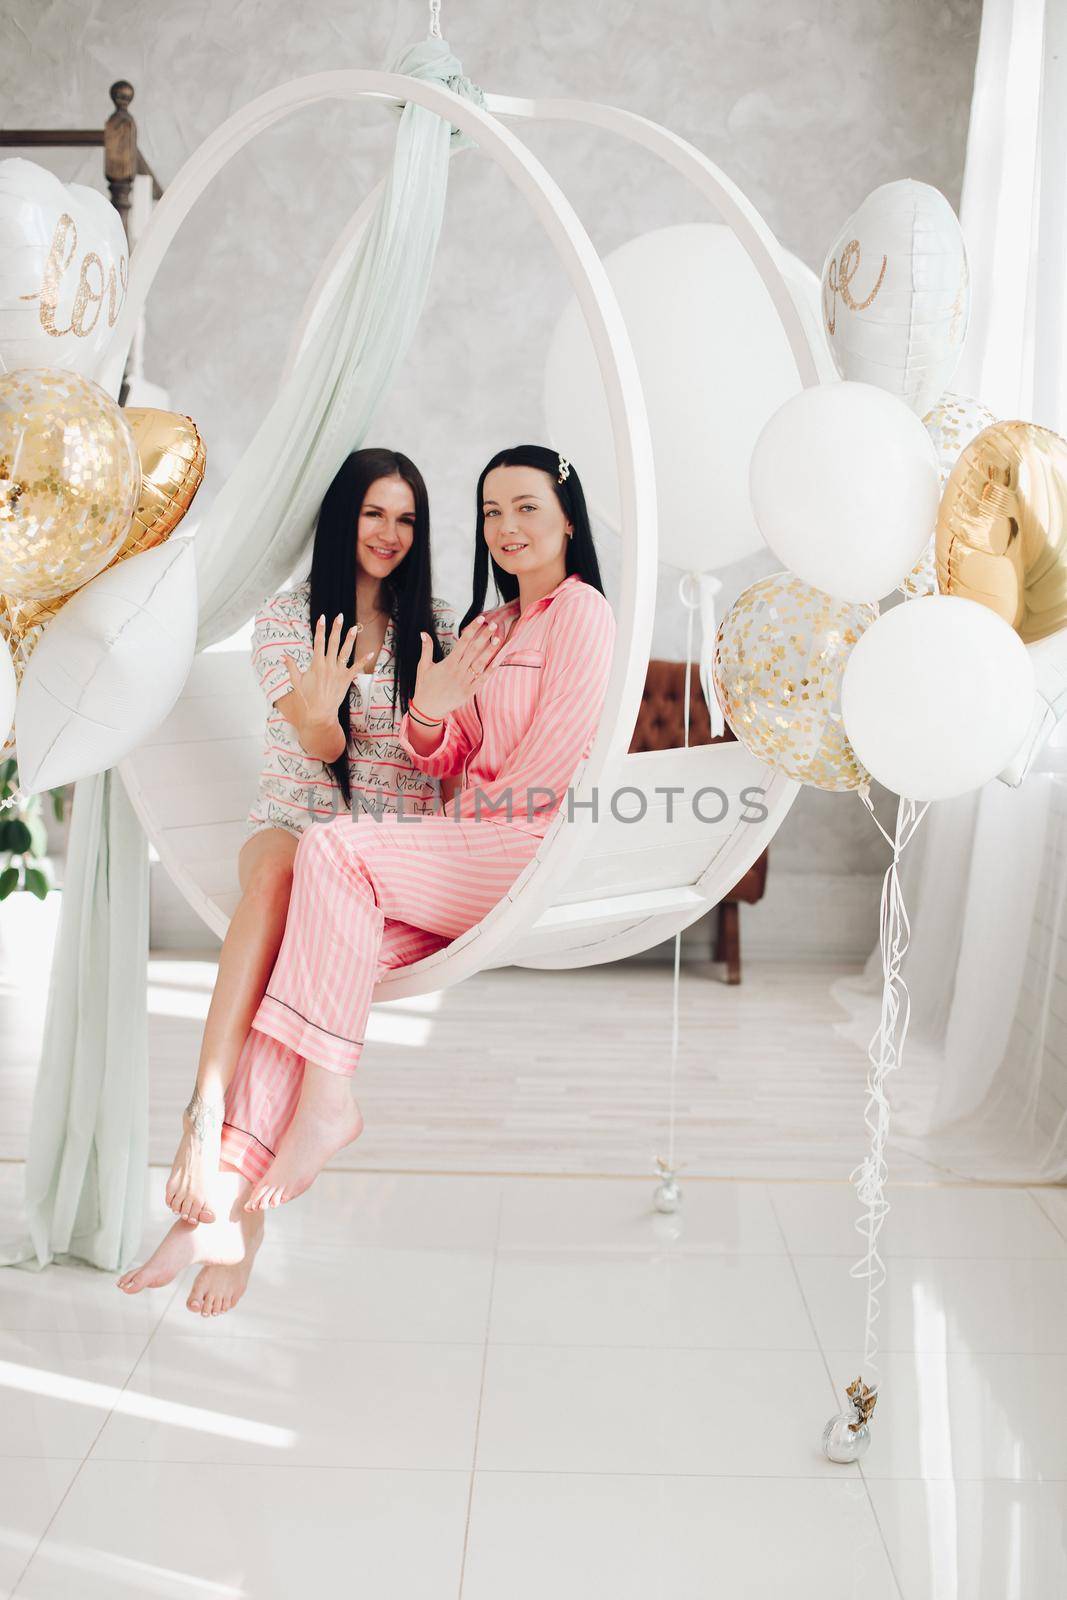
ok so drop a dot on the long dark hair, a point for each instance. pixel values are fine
(581, 552)
(407, 592)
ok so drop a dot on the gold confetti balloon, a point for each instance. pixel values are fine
(1002, 527)
(172, 456)
(952, 424)
(69, 481)
(780, 655)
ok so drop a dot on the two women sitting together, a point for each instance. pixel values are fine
(462, 742)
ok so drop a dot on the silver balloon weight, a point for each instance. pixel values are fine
(847, 1436)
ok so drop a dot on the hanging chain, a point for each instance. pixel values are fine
(435, 19)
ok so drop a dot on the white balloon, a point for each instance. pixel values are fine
(108, 667)
(714, 363)
(937, 696)
(8, 688)
(844, 488)
(63, 270)
(896, 293)
(1049, 659)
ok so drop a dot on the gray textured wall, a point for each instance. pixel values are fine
(807, 104)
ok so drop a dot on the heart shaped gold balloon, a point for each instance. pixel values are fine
(172, 469)
(1002, 527)
(172, 456)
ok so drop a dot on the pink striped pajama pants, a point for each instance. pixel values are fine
(367, 896)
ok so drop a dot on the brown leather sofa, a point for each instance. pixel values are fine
(661, 726)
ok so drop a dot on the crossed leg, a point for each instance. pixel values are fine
(367, 897)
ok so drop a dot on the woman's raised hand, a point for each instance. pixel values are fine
(325, 684)
(443, 686)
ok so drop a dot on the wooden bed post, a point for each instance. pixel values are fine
(120, 150)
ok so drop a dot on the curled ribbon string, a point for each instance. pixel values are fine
(884, 1054)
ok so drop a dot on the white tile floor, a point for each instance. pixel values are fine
(764, 1086)
(507, 1388)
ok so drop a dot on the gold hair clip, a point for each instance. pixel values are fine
(564, 469)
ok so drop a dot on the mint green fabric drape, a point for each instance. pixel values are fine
(87, 1161)
(85, 1167)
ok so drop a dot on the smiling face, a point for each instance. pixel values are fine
(386, 526)
(524, 524)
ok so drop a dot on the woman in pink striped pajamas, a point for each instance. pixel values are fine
(511, 710)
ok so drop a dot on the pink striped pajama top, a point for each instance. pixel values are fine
(535, 712)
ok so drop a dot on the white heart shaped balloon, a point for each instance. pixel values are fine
(896, 293)
(63, 269)
(8, 689)
(108, 668)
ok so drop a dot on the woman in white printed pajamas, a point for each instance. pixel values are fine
(371, 564)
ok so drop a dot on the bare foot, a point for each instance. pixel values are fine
(182, 1245)
(325, 1120)
(219, 1285)
(185, 1243)
(197, 1160)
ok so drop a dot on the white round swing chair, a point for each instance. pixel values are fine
(600, 887)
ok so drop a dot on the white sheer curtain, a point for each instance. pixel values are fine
(983, 1091)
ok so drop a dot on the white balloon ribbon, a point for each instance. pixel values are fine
(708, 586)
(884, 1053)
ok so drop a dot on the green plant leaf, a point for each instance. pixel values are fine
(8, 880)
(15, 836)
(36, 882)
(59, 797)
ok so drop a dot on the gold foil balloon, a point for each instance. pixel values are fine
(172, 456)
(69, 481)
(1002, 527)
(951, 424)
(779, 659)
